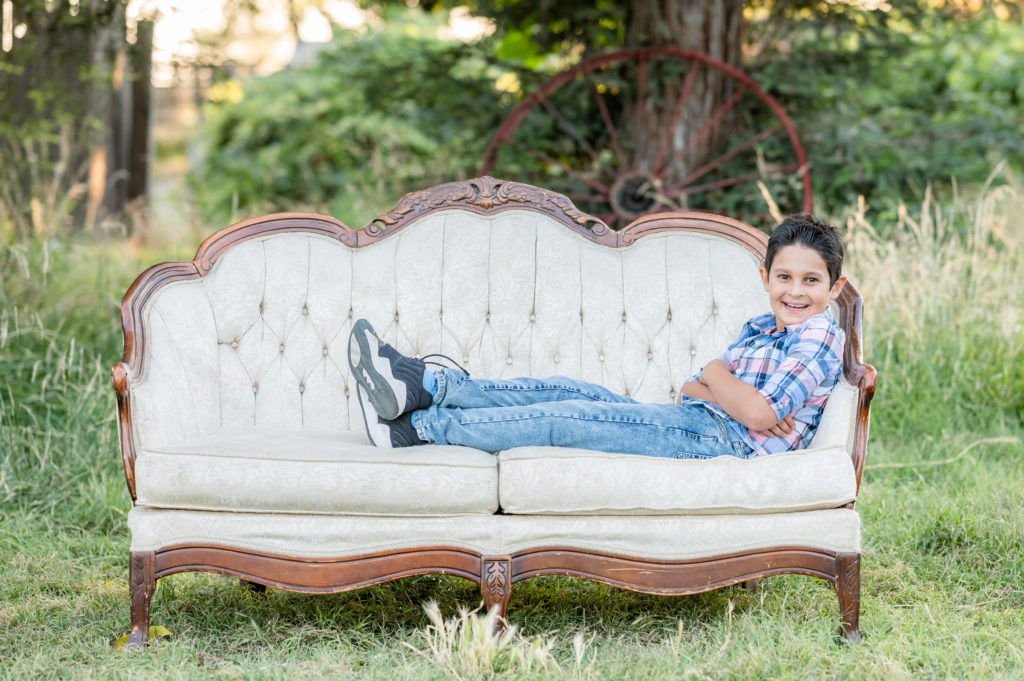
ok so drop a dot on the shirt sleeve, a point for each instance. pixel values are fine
(814, 357)
(748, 330)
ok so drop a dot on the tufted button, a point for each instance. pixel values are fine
(261, 307)
(302, 387)
(693, 352)
(280, 348)
(346, 391)
(325, 351)
(557, 359)
(396, 315)
(465, 358)
(234, 343)
(305, 310)
(626, 392)
(255, 387)
(440, 315)
(672, 395)
(581, 315)
(350, 313)
(600, 357)
(669, 315)
(508, 360)
(487, 317)
(623, 315)
(650, 355)
(714, 310)
(533, 317)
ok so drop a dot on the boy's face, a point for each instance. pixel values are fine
(798, 285)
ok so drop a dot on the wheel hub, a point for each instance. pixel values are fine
(634, 194)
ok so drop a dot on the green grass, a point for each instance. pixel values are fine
(943, 534)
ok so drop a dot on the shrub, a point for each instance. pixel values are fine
(881, 117)
(379, 114)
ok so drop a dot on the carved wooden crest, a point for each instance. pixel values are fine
(484, 195)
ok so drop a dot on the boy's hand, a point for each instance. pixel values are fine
(783, 427)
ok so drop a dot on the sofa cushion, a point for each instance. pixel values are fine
(554, 480)
(303, 471)
(335, 536)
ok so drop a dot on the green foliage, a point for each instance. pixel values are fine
(883, 114)
(943, 526)
(378, 115)
(50, 82)
(940, 587)
(884, 100)
(59, 335)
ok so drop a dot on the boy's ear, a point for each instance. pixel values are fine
(764, 276)
(837, 287)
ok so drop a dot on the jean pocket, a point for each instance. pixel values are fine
(694, 456)
(743, 451)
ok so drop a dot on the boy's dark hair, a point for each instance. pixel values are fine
(806, 230)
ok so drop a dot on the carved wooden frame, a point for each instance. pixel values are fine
(495, 574)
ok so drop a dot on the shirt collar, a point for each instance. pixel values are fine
(766, 323)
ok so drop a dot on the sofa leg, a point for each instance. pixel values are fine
(848, 590)
(496, 585)
(141, 584)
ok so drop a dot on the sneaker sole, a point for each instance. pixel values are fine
(383, 438)
(371, 372)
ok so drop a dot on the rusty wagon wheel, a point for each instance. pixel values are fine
(710, 137)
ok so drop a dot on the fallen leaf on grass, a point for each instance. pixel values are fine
(155, 632)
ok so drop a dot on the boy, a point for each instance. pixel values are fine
(764, 395)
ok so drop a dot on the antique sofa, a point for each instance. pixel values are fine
(245, 453)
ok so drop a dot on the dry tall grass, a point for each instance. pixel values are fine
(944, 312)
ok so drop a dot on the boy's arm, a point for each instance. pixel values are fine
(740, 400)
(696, 389)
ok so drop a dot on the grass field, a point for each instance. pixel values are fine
(941, 501)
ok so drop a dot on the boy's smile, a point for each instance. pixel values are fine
(798, 286)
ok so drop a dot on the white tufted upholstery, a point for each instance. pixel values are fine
(261, 339)
(244, 406)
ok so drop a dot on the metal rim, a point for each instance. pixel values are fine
(625, 205)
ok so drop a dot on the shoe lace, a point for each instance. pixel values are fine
(426, 360)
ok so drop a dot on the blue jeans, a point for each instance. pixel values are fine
(562, 412)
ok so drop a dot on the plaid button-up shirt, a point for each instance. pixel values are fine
(794, 369)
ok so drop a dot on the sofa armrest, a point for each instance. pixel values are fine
(865, 378)
(121, 378)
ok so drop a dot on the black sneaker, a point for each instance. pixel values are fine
(392, 381)
(387, 434)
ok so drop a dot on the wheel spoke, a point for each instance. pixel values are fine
(691, 78)
(588, 198)
(624, 164)
(731, 154)
(680, 189)
(568, 127)
(696, 153)
(714, 119)
(590, 182)
(641, 93)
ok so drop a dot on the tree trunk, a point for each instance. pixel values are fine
(711, 27)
